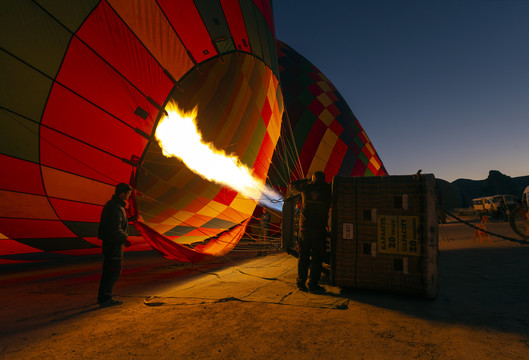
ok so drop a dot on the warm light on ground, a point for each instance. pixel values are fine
(178, 136)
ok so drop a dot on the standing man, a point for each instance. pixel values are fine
(315, 205)
(113, 230)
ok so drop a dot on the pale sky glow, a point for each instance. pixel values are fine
(441, 86)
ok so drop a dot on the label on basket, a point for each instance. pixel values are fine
(387, 234)
(347, 231)
(398, 235)
(409, 235)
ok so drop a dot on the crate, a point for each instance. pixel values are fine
(385, 234)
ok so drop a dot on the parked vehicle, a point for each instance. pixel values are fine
(482, 205)
(501, 205)
(478, 205)
(497, 205)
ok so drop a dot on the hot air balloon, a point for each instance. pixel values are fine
(320, 132)
(85, 84)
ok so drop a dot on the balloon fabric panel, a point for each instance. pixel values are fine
(87, 160)
(10, 248)
(19, 137)
(186, 20)
(260, 29)
(265, 8)
(225, 196)
(40, 41)
(336, 159)
(161, 40)
(57, 244)
(215, 22)
(30, 206)
(266, 152)
(236, 24)
(28, 89)
(30, 229)
(64, 185)
(215, 247)
(26, 179)
(310, 146)
(106, 34)
(90, 77)
(70, 13)
(69, 210)
(92, 125)
(323, 153)
(250, 17)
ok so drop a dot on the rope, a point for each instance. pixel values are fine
(525, 242)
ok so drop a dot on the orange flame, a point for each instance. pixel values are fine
(178, 136)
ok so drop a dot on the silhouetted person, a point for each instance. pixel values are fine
(315, 204)
(113, 230)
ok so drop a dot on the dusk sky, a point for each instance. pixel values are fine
(441, 86)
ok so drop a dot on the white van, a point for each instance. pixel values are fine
(494, 205)
(482, 205)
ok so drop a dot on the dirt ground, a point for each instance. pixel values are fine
(247, 307)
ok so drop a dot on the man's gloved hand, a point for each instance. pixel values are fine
(133, 217)
(127, 243)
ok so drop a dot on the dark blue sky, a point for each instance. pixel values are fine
(438, 85)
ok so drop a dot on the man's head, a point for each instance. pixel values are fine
(123, 191)
(318, 176)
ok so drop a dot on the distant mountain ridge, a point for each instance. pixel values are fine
(460, 192)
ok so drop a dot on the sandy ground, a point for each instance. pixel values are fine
(247, 307)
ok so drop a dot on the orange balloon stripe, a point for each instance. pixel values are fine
(161, 40)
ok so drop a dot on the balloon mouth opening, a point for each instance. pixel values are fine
(179, 137)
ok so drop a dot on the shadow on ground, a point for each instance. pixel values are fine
(481, 285)
(484, 286)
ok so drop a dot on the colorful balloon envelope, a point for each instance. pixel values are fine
(320, 132)
(85, 84)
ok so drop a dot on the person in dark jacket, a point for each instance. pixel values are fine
(315, 205)
(113, 230)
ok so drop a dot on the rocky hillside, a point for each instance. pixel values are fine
(461, 192)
